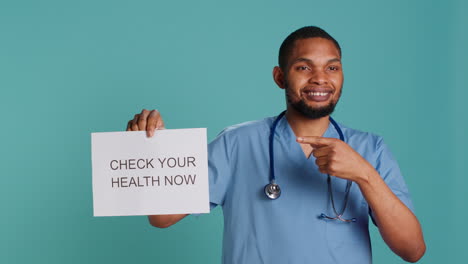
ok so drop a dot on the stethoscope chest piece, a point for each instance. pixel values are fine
(272, 191)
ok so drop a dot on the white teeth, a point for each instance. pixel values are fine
(317, 94)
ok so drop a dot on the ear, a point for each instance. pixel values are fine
(278, 76)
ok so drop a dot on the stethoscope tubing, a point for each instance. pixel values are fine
(273, 191)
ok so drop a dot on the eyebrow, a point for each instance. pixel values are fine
(311, 62)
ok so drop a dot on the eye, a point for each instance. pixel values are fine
(302, 68)
(333, 68)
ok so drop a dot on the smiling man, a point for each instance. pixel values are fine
(333, 178)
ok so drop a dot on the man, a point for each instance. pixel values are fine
(318, 218)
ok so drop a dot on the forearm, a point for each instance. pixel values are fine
(164, 221)
(398, 226)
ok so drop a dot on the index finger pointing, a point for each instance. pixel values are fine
(315, 141)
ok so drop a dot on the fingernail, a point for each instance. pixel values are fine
(151, 133)
(299, 139)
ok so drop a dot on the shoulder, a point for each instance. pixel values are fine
(367, 143)
(241, 137)
(372, 147)
(356, 135)
(250, 128)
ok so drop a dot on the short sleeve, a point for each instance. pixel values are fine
(388, 168)
(219, 168)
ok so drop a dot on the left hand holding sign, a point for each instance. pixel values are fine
(150, 121)
(337, 158)
(138, 173)
(146, 120)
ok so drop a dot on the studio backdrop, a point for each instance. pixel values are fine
(70, 68)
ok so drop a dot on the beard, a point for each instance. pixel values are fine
(310, 112)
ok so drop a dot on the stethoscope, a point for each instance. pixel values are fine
(273, 191)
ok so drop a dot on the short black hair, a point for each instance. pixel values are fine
(302, 33)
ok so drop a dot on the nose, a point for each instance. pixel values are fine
(318, 77)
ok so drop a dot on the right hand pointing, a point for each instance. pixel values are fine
(146, 120)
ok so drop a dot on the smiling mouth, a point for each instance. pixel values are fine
(317, 93)
(317, 96)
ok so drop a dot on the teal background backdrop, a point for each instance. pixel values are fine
(69, 68)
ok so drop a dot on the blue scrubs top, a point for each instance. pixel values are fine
(288, 230)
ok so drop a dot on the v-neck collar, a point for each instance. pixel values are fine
(285, 134)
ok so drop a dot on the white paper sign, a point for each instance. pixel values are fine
(137, 175)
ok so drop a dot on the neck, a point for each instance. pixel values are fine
(303, 126)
